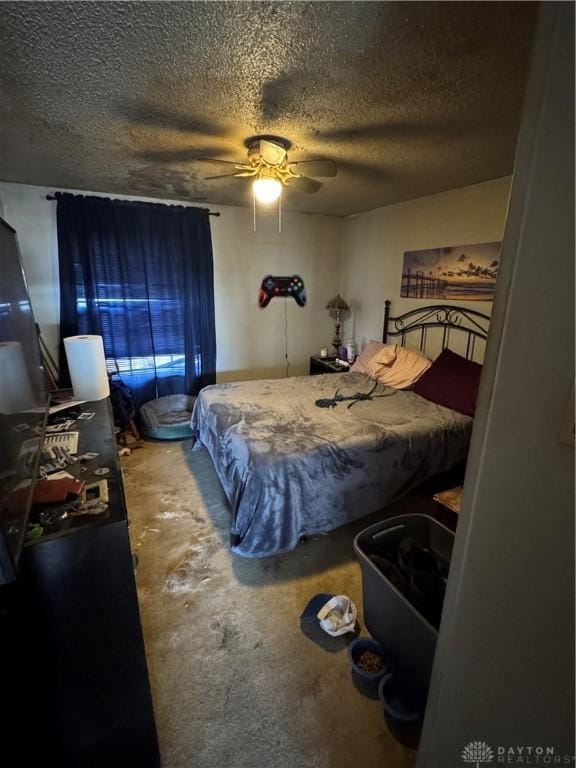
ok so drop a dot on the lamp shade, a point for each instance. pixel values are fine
(337, 303)
(267, 190)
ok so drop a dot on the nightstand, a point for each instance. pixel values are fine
(320, 365)
(450, 502)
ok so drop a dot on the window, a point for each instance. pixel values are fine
(141, 276)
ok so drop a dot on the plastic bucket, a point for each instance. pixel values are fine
(366, 681)
(404, 704)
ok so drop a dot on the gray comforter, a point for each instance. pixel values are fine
(290, 468)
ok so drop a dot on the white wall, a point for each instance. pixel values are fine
(374, 245)
(250, 340)
(360, 257)
(504, 668)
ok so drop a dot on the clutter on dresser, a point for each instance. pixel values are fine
(79, 471)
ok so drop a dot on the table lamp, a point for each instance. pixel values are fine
(336, 306)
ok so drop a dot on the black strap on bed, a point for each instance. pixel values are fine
(332, 402)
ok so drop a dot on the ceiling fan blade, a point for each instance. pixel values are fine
(304, 184)
(316, 167)
(237, 175)
(397, 130)
(271, 153)
(217, 160)
(168, 155)
(155, 116)
(372, 171)
(221, 176)
(281, 95)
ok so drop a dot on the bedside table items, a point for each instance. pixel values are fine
(324, 352)
(328, 364)
(350, 351)
(336, 306)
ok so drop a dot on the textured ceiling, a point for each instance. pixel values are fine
(408, 98)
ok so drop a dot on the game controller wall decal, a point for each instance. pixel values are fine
(274, 286)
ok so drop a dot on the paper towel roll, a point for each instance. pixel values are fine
(16, 392)
(87, 366)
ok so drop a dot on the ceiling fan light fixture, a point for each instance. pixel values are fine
(267, 190)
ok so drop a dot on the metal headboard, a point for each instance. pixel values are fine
(445, 316)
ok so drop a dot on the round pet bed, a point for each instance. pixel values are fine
(167, 418)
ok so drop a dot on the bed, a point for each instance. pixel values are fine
(291, 469)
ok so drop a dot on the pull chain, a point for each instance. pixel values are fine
(280, 214)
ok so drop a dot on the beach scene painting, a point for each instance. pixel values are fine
(458, 273)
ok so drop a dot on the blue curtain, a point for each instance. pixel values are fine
(141, 276)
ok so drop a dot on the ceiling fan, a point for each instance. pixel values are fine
(268, 164)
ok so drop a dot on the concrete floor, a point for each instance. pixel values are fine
(234, 681)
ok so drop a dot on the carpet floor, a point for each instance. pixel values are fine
(234, 681)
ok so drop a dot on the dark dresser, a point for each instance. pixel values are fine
(78, 689)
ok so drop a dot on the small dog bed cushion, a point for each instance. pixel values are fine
(167, 418)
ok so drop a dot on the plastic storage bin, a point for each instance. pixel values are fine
(389, 616)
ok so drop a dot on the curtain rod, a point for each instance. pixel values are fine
(210, 213)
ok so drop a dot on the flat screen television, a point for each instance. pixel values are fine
(23, 404)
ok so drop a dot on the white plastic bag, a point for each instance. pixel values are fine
(338, 616)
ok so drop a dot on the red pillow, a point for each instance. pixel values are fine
(452, 381)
